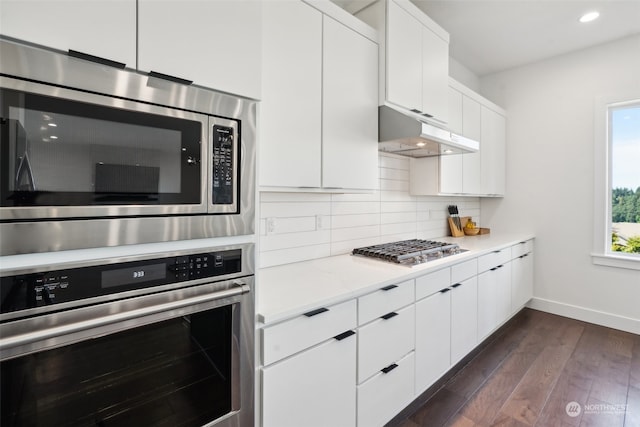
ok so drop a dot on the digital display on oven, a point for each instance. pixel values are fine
(133, 275)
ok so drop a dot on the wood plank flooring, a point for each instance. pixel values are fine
(532, 370)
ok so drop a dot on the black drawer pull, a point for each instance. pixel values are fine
(494, 268)
(96, 59)
(316, 311)
(388, 288)
(445, 290)
(389, 368)
(170, 78)
(456, 285)
(344, 335)
(389, 315)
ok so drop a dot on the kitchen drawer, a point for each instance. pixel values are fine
(464, 270)
(521, 248)
(385, 300)
(431, 283)
(291, 336)
(384, 341)
(493, 259)
(386, 394)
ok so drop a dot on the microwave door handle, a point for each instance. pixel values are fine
(25, 168)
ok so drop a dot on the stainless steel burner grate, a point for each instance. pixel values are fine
(409, 252)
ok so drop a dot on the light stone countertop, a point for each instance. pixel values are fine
(289, 290)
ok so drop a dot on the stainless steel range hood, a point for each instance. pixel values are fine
(411, 134)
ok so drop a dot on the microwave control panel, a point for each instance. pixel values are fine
(223, 156)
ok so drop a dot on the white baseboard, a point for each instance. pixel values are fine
(609, 320)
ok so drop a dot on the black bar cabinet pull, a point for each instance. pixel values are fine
(456, 285)
(494, 268)
(96, 59)
(170, 78)
(344, 335)
(389, 315)
(388, 288)
(316, 311)
(445, 290)
(389, 368)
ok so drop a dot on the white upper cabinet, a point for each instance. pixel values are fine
(216, 44)
(291, 107)
(414, 57)
(349, 108)
(435, 75)
(404, 58)
(319, 115)
(473, 174)
(103, 28)
(493, 152)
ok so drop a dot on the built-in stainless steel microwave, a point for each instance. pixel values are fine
(93, 155)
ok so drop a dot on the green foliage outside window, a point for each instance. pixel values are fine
(625, 208)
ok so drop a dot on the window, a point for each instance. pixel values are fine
(624, 148)
(617, 156)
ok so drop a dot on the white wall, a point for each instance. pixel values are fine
(463, 75)
(302, 226)
(550, 177)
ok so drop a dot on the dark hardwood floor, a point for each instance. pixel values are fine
(533, 369)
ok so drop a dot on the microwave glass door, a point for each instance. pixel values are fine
(67, 152)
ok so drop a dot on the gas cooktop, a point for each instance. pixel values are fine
(410, 252)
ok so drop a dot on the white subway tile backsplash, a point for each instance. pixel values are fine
(355, 233)
(272, 242)
(301, 226)
(344, 221)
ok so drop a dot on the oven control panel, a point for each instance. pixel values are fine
(34, 290)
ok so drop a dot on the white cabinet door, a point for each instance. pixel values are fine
(349, 108)
(314, 388)
(214, 43)
(487, 304)
(521, 281)
(404, 58)
(494, 299)
(503, 297)
(455, 111)
(291, 108)
(451, 173)
(471, 162)
(433, 338)
(435, 75)
(104, 28)
(492, 152)
(464, 318)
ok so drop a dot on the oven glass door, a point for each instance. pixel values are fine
(177, 372)
(78, 154)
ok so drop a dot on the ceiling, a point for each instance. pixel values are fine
(491, 36)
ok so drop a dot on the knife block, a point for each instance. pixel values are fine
(455, 231)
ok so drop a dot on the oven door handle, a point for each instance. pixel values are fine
(100, 321)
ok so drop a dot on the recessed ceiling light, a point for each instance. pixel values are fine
(53, 137)
(52, 125)
(589, 16)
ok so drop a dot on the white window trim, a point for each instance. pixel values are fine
(602, 187)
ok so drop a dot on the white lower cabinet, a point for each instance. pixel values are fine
(385, 394)
(521, 275)
(313, 388)
(384, 341)
(464, 318)
(494, 291)
(433, 338)
(362, 361)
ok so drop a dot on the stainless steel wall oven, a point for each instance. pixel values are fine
(93, 156)
(154, 340)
